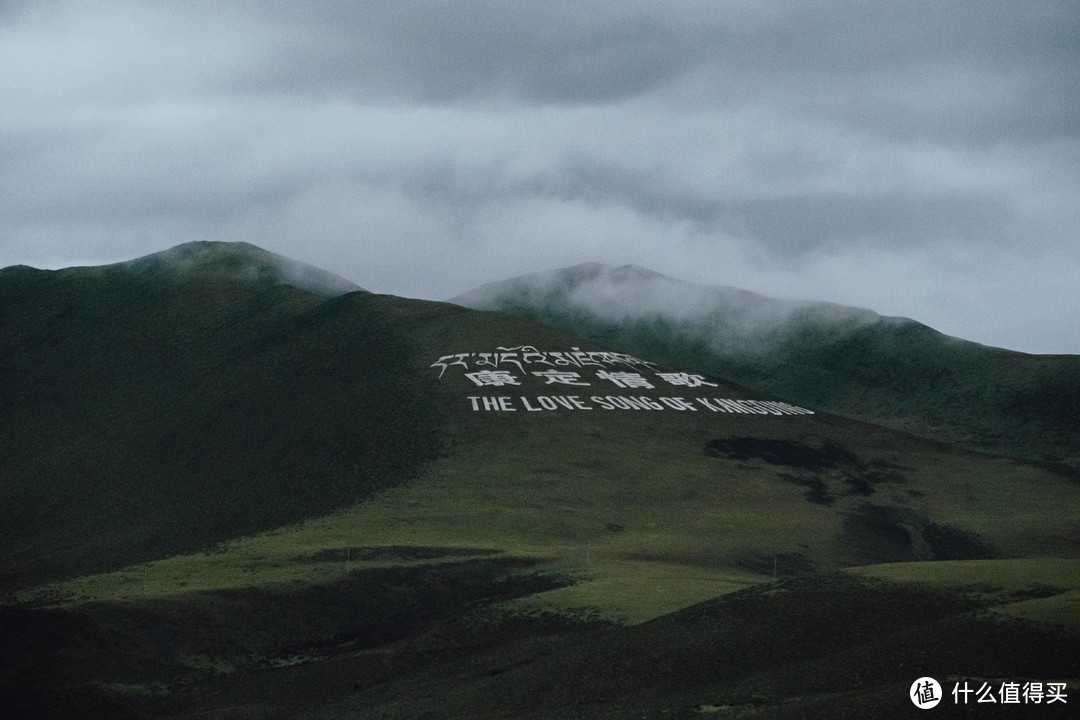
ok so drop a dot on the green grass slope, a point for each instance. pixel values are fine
(398, 541)
(889, 371)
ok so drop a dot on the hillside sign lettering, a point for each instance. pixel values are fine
(511, 367)
(540, 403)
(522, 356)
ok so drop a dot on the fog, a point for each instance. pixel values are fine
(920, 160)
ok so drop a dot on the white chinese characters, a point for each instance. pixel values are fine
(492, 378)
(525, 368)
(1010, 693)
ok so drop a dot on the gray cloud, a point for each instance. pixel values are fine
(790, 226)
(967, 72)
(920, 159)
(441, 52)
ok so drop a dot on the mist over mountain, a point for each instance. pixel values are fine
(204, 262)
(739, 319)
(240, 262)
(892, 371)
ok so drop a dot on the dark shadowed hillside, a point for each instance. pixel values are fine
(891, 371)
(164, 404)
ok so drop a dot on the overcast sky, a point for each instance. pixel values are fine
(917, 158)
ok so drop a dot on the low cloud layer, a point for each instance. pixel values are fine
(921, 160)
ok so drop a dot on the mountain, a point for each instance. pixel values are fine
(199, 262)
(239, 262)
(226, 497)
(890, 371)
(141, 408)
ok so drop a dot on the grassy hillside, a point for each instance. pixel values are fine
(889, 371)
(143, 417)
(514, 561)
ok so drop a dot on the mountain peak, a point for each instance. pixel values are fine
(636, 272)
(630, 291)
(595, 271)
(237, 261)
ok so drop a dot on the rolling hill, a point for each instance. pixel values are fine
(228, 496)
(142, 410)
(890, 371)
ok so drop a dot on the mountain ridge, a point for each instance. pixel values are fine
(853, 361)
(633, 290)
(212, 261)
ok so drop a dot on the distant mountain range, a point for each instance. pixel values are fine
(890, 371)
